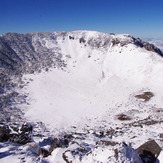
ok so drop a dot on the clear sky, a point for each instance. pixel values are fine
(140, 18)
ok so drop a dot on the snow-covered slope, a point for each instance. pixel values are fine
(93, 81)
(85, 83)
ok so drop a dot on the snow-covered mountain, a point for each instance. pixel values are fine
(32, 51)
(97, 89)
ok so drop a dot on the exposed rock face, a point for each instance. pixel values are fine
(147, 46)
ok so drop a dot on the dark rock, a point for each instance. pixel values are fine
(146, 96)
(53, 145)
(147, 46)
(116, 153)
(68, 136)
(26, 128)
(71, 38)
(22, 136)
(4, 133)
(99, 134)
(115, 42)
(43, 152)
(66, 157)
(82, 40)
(107, 143)
(110, 132)
(161, 135)
(149, 151)
(112, 33)
(123, 117)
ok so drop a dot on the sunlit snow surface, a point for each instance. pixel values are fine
(86, 97)
(96, 86)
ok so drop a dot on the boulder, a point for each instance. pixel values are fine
(53, 145)
(15, 135)
(4, 133)
(43, 152)
(149, 151)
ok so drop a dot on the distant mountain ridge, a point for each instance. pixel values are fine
(34, 51)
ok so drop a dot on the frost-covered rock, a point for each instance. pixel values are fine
(20, 135)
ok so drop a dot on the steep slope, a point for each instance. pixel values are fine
(34, 51)
(93, 87)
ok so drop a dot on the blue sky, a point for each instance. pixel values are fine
(140, 18)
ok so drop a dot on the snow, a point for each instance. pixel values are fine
(95, 87)
(60, 98)
(160, 157)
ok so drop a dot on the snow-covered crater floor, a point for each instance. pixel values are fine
(93, 92)
(90, 87)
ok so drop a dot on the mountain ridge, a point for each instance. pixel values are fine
(29, 50)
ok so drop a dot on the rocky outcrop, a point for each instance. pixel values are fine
(13, 134)
(148, 46)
